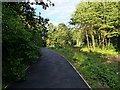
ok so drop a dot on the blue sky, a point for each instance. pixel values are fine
(60, 13)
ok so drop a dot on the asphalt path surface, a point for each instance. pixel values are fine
(51, 71)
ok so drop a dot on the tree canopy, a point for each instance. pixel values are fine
(99, 20)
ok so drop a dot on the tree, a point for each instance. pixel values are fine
(100, 20)
(50, 35)
(22, 39)
(59, 36)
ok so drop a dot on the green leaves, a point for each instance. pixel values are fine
(100, 18)
(21, 43)
(59, 36)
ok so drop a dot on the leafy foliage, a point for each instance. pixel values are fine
(22, 39)
(100, 22)
(59, 36)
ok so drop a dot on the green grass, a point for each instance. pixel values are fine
(93, 67)
(99, 50)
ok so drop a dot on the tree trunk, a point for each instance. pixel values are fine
(103, 41)
(99, 41)
(103, 44)
(106, 43)
(77, 43)
(87, 40)
(109, 44)
(93, 41)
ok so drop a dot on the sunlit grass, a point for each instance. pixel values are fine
(99, 50)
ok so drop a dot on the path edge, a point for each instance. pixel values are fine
(73, 68)
(79, 74)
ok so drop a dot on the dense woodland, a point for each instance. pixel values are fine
(93, 24)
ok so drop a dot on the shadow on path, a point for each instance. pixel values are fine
(51, 71)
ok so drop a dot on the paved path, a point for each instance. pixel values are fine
(51, 71)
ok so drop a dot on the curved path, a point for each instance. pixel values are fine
(51, 71)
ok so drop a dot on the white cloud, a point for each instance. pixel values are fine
(62, 9)
(60, 12)
(57, 22)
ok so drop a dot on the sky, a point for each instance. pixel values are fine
(60, 13)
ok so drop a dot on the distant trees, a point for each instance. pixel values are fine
(50, 35)
(99, 21)
(59, 36)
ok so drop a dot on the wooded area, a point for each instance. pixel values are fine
(94, 26)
